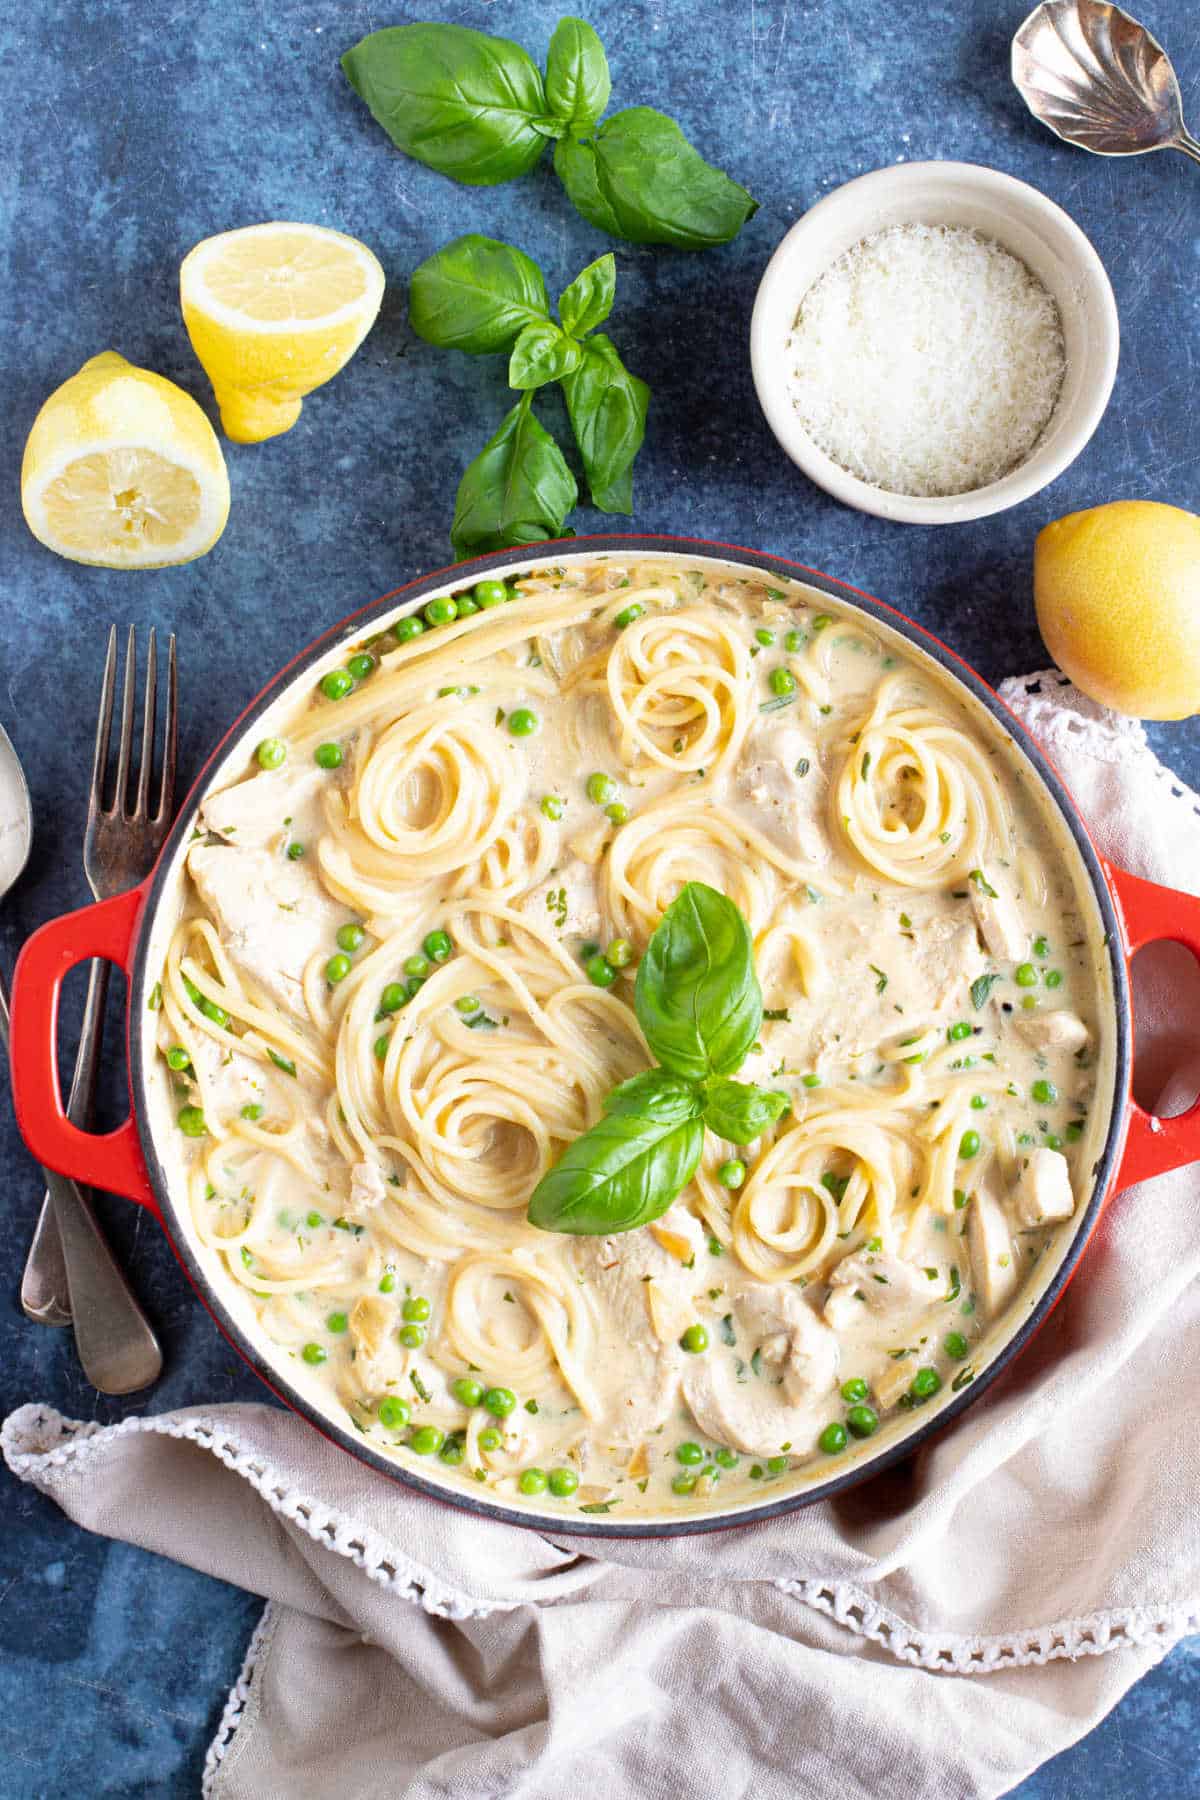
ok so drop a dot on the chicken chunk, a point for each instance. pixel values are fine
(1059, 1030)
(786, 783)
(228, 1080)
(273, 916)
(999, 922)
(770, 1386)
(367, 1187)
(884, 1284)
(993, 1260)
(252, 814)
(1042, 1191)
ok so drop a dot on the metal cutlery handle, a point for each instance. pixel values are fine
(117, 1346)
(45, 1290)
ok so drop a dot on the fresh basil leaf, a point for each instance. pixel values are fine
(607, 408)
(740, 1113)
(578, 84)
(518, 490)
(622, 1173)
(656, 1094)
(542, 353)
(476, 294)
(462, 102)
(637, 177)
(589, 299)
(696, 995)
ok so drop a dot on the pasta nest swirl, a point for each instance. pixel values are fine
(916, 797)
(848, 1170)
(679, 686)
(522, 1317)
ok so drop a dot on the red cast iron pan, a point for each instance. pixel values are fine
(1135, 912)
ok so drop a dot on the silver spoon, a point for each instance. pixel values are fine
(1098, 79)
(117, 1348)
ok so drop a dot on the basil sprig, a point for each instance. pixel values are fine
(477, 108)
(699, 1005)
(485, 297)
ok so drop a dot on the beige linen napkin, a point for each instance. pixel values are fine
(936, 1634)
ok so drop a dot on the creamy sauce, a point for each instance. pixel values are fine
(372, 1109)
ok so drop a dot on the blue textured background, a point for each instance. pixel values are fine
(131, 131)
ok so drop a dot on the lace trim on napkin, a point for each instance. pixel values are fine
(239, 1698)
(39, 1445)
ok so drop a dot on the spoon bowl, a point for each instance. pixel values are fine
(1098, 79)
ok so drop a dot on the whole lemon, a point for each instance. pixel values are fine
(1118, 602)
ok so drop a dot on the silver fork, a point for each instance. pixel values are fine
(71, 1272)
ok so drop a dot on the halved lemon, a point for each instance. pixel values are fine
(123, 469)
(273, 311)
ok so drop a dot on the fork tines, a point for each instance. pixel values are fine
(120, 803)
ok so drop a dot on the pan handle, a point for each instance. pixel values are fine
(1152, 914)
(112, 1160)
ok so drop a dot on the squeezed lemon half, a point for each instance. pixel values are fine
(273, 311)
(122, 469)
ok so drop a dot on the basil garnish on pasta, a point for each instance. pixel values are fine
(699, 1004)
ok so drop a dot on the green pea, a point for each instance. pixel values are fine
(689, 1453)
(619, 953)
(601, 788)
(271, 753)
(453, 1450)
(252, 1110)
(418, 1308)
(763, 636)
(563, 1483)
(1029, 1002)
(177, 1057)
(854, 1390)
(393, 1412)
(600, 972)
(490, 1438)
(467, 1391)
(968, 1144)
(500, 1401)
(409, 628)
(728, 1459)
(1026, 975)
(1041, 946)
(1044, 1092)
(337, 969)
(337, 1323)
(438, 946)
(427, 1440)
(533, 1481)
(794, 642)
(466, 606)
(442, 611)
(392, 998)
(821, 621)
(191, 1122)
(776, 1465)
(694, 1340)
(490, 593)
(628, 614)
(361, 665)
(958, 1032)
(979, 1101)
(955, 1345)
(552, 806)
(833, 1438)
(924, 1384)
(328, 756)
(387, 1281)
(295, 852)
(1052, 1141)
(617, 811)
(417, 965)
(863, 1421)
(522, 722)
(337, 684)
(1054, 978)
(683, 1484)
(732, 1174)
(466, 1003)
(811, 1081)
(314, 1354)
(411, 1336)
(781, 681)
(314, 1220)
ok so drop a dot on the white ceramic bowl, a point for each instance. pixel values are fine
(1016, 216)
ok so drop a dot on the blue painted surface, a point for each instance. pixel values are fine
(131, 132)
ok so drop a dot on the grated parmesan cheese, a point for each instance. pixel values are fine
(926, 360)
